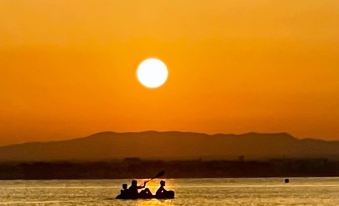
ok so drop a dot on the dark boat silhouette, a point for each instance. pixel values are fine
(169, 195)
(166, 195)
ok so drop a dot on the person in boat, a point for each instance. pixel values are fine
(124, 191)
(146, 193)
(133, 190)
(162, 192)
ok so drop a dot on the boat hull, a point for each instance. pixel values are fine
(169, 195)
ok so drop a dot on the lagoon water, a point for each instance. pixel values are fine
(189, 192)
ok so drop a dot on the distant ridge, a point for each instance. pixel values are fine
(172, 145)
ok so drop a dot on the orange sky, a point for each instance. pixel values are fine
(67, 67)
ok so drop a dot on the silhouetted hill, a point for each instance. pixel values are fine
(172, 145)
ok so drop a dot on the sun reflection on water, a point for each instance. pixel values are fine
(154, 202)
(153, 186)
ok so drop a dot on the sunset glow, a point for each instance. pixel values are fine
(68, 68)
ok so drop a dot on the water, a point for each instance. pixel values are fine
(189, 192)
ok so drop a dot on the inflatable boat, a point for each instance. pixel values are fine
(168, 195)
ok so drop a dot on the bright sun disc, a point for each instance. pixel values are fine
(152, 73)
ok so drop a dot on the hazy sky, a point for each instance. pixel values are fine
(67, 67)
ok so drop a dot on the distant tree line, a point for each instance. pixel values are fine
(136, 168)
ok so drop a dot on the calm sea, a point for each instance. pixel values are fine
(189, 192)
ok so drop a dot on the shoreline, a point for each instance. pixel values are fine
(143, 169)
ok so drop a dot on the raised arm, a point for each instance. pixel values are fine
(142, 186)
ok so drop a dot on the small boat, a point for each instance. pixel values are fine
(146, 194)
(168, 195)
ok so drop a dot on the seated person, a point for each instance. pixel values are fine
(146, 193)
(162, 192)
(133, 189)
(124, 191)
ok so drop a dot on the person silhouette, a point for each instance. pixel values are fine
(133, 189)
(124, 191)
(146, 193)
(161, 192)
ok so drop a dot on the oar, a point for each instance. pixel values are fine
(160, 174)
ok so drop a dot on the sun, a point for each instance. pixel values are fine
(152, 73)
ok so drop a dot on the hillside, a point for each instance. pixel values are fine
(171, 145)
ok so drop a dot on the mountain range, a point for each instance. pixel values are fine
(172, 146)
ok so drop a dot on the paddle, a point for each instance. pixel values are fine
(160, 174)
